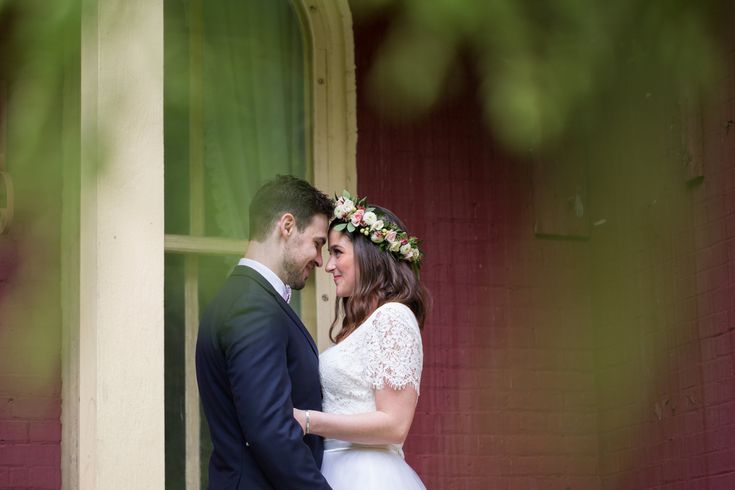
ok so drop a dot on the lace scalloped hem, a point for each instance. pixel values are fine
(397, 386)
(369, 468)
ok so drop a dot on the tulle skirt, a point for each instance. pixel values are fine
(349, 466)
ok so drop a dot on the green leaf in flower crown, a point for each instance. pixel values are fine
(346, 194)
(350, 227)
(340, 227)
(368, 210)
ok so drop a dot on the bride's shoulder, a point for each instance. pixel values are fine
(394, 306)
(394, 310)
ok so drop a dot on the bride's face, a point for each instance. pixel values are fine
(341, 263)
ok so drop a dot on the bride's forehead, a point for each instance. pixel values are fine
(338, 238)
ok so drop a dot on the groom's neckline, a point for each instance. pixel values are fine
(281, 288)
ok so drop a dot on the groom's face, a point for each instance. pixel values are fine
(303, 251)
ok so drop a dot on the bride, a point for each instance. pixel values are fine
(370, 377)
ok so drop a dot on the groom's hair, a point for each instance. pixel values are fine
(286, 194)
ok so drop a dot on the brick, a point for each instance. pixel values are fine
(577, 423)
(721, 461)
(13, 431)
(674, 470)
(16, 385)
(721, 369)
(6, 408)
(44, 478)
(44, 455)
(43, 431)
(18, 477)
(12, 455)
(718, 392)
(37, 408)
(721, 482)
(579, 400)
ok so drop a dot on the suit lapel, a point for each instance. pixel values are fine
(247, 271)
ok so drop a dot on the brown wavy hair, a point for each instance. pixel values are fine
(380, 278)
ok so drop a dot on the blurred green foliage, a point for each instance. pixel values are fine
(547, 72)
(39, 75)
(544, 68)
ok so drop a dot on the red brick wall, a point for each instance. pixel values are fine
(508, 396)
(603, 364)
(664, 298)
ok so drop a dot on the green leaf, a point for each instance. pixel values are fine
(346, 194)
(340, 227)
(350, 227)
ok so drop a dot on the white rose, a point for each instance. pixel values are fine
(377, 225)
(339, 212)
(369, 218)
(405, 249)
(394, 246)
(348, 206)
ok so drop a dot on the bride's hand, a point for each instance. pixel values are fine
(300, 417)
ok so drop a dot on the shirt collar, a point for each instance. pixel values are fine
(270, 276)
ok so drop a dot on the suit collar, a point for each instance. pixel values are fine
(241, 270)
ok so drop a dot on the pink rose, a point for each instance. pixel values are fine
(357, 217)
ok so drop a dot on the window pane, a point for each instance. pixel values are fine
(253, 105)
(251, 125)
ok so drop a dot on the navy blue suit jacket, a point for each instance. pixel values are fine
(255, 361)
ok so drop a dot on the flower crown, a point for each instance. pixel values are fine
(358, 216)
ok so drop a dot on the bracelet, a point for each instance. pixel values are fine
(308, 423)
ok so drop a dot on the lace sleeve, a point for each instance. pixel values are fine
(395, 355)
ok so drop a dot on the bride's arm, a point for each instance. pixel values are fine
(388, 424)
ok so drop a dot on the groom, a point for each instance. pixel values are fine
(255, 360)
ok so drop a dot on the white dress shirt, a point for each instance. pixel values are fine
(283, 289)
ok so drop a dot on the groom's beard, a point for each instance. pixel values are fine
(295, 271)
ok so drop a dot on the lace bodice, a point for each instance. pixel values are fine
(384, 351)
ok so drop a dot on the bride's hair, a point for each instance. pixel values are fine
(380, 278)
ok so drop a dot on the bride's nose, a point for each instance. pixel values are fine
(330, 264)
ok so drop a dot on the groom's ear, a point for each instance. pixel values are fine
(286, 225)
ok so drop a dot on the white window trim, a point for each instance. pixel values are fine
(335, 121)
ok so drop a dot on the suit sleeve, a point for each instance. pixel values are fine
(254, 341)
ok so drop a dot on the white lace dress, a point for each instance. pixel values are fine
(384, 351)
